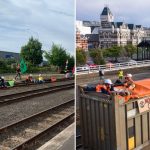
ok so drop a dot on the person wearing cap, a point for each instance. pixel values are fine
(107, 88)
(129, 83)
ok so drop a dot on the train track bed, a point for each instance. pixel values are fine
(28, 133)
(17, 111)
(47, 81)
(32, 87)
(8, 99)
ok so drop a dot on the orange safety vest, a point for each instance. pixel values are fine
(107, 89)
(98, 88)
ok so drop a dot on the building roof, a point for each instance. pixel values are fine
(145, 43)
(106, 11)
(131, 26)
(138, 26)
(117, 24)
(92, 37)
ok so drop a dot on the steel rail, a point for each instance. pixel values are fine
(7, 99)
(46, 82)
(51, 128)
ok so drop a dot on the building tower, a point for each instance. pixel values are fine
(106, 17)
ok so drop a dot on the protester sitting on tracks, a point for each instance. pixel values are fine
(40, 79)
(68, 74)
(108, 87)
(18, 71)
(2, 82)
(29, 79)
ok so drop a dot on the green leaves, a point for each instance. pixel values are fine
(80, 57)
(32, 52)
(58, 56)
(97, 56)
(130, 50)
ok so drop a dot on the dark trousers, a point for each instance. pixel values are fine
(18, 75)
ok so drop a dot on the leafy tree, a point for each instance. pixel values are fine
(97, 56)
(80, 57)
(32, 52)
(113, 52)
(70, 62)
(130, 50)
(57, 56)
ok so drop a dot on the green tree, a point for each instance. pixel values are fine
(97, 56)
(130, 50)
(80, 57)
(113, 52)
(57, 56)
(32, 52)
(70, 62)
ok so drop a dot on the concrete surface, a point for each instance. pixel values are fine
(62, 141)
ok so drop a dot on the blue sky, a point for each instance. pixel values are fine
(129, 11)
(49, 21)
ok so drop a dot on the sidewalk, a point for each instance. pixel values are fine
(62, 141)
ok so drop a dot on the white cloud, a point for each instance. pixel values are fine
(50, 21)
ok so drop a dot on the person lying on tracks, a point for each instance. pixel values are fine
(30, 79)
(40, 79)
(2, 82)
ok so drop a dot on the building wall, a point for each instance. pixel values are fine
(81, 41)
(83, 30)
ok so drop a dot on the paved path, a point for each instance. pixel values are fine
(62, 141)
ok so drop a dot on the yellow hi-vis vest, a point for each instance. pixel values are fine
(120, 74)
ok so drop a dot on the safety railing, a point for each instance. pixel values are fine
(111, 67)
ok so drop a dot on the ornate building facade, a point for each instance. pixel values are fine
(118, 33)
(81, 41)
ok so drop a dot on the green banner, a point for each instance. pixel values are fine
(23, 66)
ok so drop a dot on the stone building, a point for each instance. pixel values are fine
(118, 33)
(81, 41)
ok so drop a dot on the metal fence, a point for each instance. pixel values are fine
(111, 67)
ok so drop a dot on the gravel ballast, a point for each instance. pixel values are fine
(17, 111)
(31, 87)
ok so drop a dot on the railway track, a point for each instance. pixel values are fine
(8, 99)
(23, 83)
(28, 133)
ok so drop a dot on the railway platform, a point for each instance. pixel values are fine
(64, 140)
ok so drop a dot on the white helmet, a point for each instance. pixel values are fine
(129, 75)
(108, 81)
(2, 77)
(30, 75)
